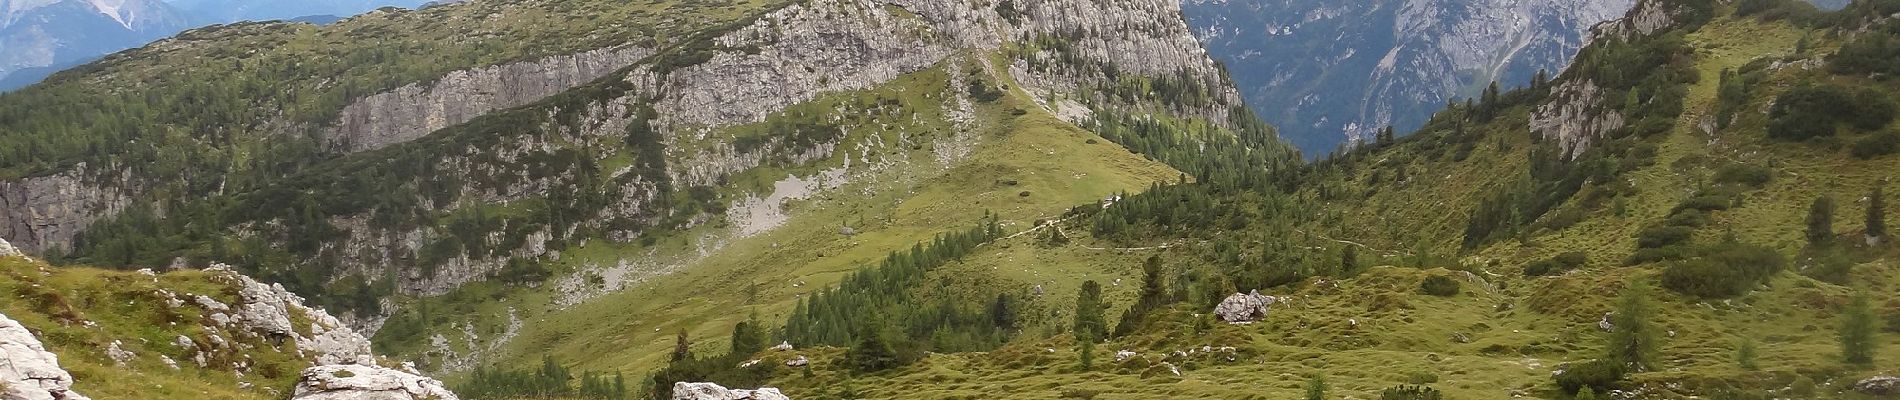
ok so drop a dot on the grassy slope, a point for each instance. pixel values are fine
(125, 307)
(712, 272)
(1518, 333)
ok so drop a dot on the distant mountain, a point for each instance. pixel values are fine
(258, 10)
(38, 33)
(1327, 72)
(317, 19)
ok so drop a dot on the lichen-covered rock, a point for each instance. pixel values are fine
(27, 370)
(712, 391)
(1879, 386)
(364, 382)
(1244, 308)
(268, 310)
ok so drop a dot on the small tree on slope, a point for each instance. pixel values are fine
(1876, 215)
(1857, 331)
(1634, 342)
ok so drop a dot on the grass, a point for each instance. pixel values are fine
(1375, 330)
(78, 312)
(706, 279)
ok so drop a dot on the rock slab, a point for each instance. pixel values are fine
(364, 382)
(1879, 386)
(1244, 308)
(712, 391)
(27, 370)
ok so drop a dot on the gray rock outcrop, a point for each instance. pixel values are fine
(1879, 386)
(7, 250)
(415, 110)
(365, 382)
(267, 310)
(46, 212)
(27, 370)
(1243, 308)
(712, 391)
(1576, 114)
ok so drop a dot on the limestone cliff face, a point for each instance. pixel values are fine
(560, 122)
(44, 213)
(1579, 111)
(783, 58)
(409, 112)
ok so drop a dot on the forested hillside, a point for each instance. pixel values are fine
(1028, 200)
(1695, 209)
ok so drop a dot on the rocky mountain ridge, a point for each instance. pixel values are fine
(1337, 73)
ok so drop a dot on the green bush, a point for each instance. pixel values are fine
(1744, 174)
(1723, 270)
(1557, 265)
(1663, 236)
(1599, 375)
(1877, 145)
(1439, 285)
(1816, 111)
(1409, 392)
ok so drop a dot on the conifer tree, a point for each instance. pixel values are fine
(681, 347)
(1316, 388)
(1745, 355)
(1089, 324)
(1821, 221)
(1857, 331)
(1876, 215)
(1634, 342)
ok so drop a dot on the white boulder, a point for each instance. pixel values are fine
(1244, 308)
(7, 250)
(1879, 386)
(712, 391)
(27, 370)
(364, 382)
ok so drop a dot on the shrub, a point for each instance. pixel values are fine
(1409, 392)
(1557, 265)
(1880, 144)
(1439, 285)
(1745, 174)
(1724, 270)
(1663, 236)
(1815, 111)
(1599, 375)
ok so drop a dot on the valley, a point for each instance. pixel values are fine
(915, 199)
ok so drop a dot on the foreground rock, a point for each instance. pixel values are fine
(712, 391)
(363, 382)
(27, 370)
(1879, 386)
(267, 310)
(7, 250)
(1244, 308)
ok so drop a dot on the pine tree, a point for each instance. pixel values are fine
(1821, 221)
(1089, 323)
(1086, 346)
(681, 347)
(1876, 216)
(1745, 355)
(1348, 260)
(1316, 388)
(1586, 394)
(1857, 331)
(1634, 342)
